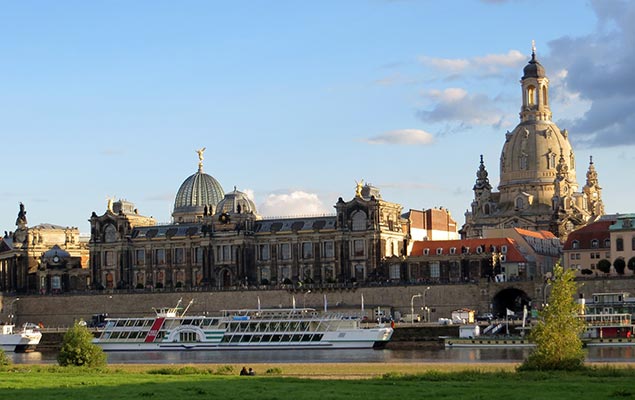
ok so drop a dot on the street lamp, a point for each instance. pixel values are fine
(13, 310)
(412, 307)
(424, 305)
(304, 298)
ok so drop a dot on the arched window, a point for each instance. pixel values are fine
(595, 244)
(426, 252)
(551, 160)
(545, 96)
(575, 244)
(453, 250)
(619, 244)
(531, 95)
(359, 221)
(486, 209)
(439, 251)
(520, 203)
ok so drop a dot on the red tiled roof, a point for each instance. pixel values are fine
(597, 230)
(536, 234)
(513, 252)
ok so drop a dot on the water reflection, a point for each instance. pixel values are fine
(454, 355)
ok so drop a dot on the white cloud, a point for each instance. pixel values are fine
(457, 105)
(403, 136)
(294, 203)
(480, 65)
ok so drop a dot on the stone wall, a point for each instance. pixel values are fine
(62, 310)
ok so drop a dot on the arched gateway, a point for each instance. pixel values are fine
(512, 299)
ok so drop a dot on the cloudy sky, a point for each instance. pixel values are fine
(295, 101)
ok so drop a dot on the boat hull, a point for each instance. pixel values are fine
(19, 343)
(487, 343)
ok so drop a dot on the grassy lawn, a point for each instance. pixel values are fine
(314, 381)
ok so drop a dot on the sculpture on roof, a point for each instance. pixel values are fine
(200, 157)
(358, 189)
(21, 220)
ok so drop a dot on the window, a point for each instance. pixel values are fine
(633, 243)
(595, 244)
(607, 243)
(159, 255)
(520, 203)
(394, 271)
(227, 253)
(426, 252)
(435, 269)
(179, 257)
(453, 250)
(329, 249)
(56, 282)
(358, 248)
(110, 258)
(198, 255)
(263, 252)
(531, 95)
(439, 251)
(140, 257)
(359, 221)
(572, 256)
(575, 244)
(285, 251)
(619, 244)
(592, 256)
(307, 250)
(503, 249)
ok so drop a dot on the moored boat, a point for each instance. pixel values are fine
(245, 329)
(21, 340)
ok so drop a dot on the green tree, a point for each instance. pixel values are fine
(78, 349)
(557, 333)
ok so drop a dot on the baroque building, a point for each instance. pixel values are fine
(218, 240)
(43, 259)
(538, 189)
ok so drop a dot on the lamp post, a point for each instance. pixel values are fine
(12, 315)
(426, 309)
(304, 298)
(412, 307)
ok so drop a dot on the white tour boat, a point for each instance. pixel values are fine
(19, 341)
(248, 329)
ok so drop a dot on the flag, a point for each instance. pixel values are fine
(509, 312)
(325, 303)
(294, 302)
(362, 303)
(258, 303)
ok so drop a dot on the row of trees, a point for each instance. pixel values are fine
(619, 264)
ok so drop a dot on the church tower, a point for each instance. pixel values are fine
(538, 189)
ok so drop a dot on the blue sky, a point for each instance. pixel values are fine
(295, 101)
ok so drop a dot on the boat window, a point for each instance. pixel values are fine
(129, 322)
(266, 338)
(115, 335)
(296, 338)
(134, 335)
(121, 322)
(138, 322)
(123, 335)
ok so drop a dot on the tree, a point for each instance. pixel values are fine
(78, 349)
(631, 264)
(619, 265)
(5, 361)
(604, 265)
(557, 333)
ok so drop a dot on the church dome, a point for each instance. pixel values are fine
(236, 202)
(199, 193)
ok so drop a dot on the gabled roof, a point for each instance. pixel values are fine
(536, 234)
(597, 230)
(513, 253)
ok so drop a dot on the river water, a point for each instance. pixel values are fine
(454, 355)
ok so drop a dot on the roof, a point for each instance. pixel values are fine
(295, 224)
(536, 234)
(513, 253)
(598, 230)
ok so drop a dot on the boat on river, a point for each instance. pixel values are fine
(22, 340)
(244, 329)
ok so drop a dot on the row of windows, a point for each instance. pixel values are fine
(595, 244)
(327, 249)
(466, 250)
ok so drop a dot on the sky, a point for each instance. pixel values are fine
(296, 101)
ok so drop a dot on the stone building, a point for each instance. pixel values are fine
(43, 259)
(218, 240)
(586, 247)
(538, 189)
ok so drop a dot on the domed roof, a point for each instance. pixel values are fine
(236, 202)
(198, 193)
(534, 69)
(56, 251)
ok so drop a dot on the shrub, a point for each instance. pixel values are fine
(557, 333)
(78, 349)
(619, 265)
(5, 361)
(631, 264)
(604, 265)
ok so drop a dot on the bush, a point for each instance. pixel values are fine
(631, 264)
(604, 265)
(78, 349)
(5, 361)
(619, 265)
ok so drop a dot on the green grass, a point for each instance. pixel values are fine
(329, 382)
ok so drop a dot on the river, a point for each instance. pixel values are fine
(455, 355)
